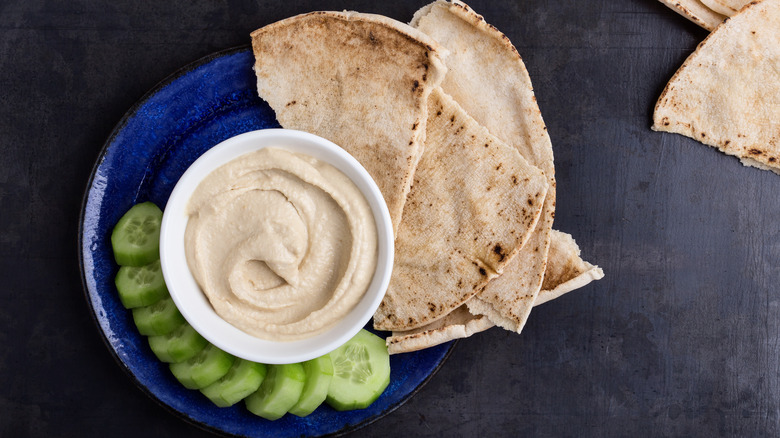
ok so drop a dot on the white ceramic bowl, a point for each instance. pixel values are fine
(194, 305)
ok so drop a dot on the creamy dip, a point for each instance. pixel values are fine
(282, 244)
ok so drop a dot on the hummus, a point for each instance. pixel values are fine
(282, 244)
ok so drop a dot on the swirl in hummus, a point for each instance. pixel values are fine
(282, 244)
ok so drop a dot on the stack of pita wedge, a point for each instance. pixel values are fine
(464, 162)
(727, 93)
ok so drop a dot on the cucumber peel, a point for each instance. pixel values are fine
(159, 318)
(243, 378)
(140, 286)
(319, 372)
(204, 368)
(178, 345)
(279, 392)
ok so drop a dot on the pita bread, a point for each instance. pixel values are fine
(508, 109)
(565, 272)
(456, 325)
(727, 93)
(360, 80)
(697, 12)
(473, 205)
(726, 7)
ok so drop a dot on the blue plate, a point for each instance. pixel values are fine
(196, 108)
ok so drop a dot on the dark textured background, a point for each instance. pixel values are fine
(680, 338)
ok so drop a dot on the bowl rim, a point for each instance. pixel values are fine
(194, 305)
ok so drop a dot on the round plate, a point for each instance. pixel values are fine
(194, 109)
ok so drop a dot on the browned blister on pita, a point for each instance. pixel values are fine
(473, 205)
(696, 11)
(727, 93)
(359, 80)
(565, 272)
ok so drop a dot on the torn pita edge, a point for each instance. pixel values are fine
(749, 162)
(593, 273)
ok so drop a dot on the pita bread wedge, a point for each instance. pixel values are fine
(727, 93)
(726, 7)
(459, 323)
(473, 205)
(508, 109)
(697, 12)
(565, 272)
(359, 80)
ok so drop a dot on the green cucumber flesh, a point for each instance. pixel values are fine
(203, 369)
(140, 286)
(319, 373)
(136, 237)
(178, 345)
(159, 318)
(279, 392)
(243, 378)
(361, 372)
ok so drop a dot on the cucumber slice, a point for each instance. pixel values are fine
(203, 369)
(242, 379)
(140, 286)
(136, 237)
(319, 373)
(158, 319)
(178, 345)
(279, 392)
(361, 372)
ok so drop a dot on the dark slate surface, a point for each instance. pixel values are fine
(680, 338)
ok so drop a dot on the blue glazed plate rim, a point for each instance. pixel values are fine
(85, 289)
